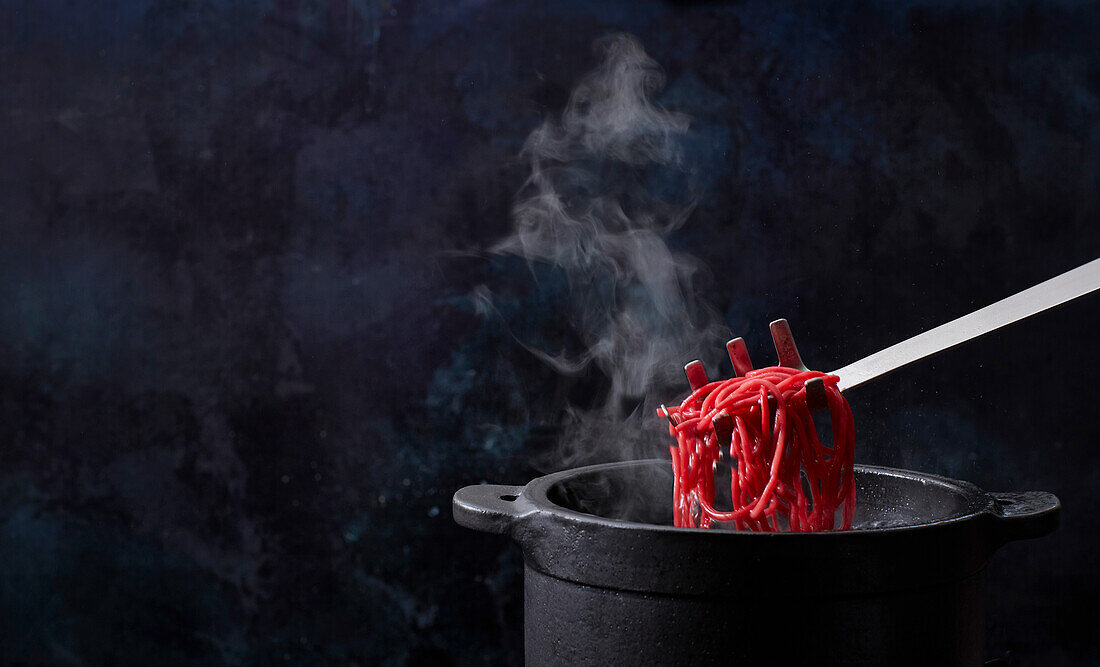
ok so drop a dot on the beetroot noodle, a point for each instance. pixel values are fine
(782, 477)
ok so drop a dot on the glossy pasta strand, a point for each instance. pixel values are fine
(781, 476)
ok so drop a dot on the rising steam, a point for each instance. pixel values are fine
(589, 207)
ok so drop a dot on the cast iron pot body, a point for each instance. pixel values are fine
(609, 580)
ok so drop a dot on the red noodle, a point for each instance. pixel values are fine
(782, 476)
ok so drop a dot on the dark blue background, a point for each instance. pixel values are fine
(241, 372)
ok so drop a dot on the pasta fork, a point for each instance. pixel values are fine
(1065, 287)
(785, 349)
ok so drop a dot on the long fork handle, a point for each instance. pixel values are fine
(1048, 294)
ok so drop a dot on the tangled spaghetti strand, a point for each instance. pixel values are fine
(782, 476)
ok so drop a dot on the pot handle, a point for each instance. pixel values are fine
(492, 508)
(1024, 515)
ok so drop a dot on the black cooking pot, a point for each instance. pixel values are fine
(610, 581)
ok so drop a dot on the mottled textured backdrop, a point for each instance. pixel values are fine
(245, 358)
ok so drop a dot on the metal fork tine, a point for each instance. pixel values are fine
(784, 345)
(723, 429)
(816, 399)
(665, 413)
(696, 374)
(739, 355)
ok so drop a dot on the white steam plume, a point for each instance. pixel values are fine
(586, 208)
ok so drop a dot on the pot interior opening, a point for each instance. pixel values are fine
(641, 492)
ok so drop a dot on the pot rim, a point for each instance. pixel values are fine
(979, 503)
(651, 558)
